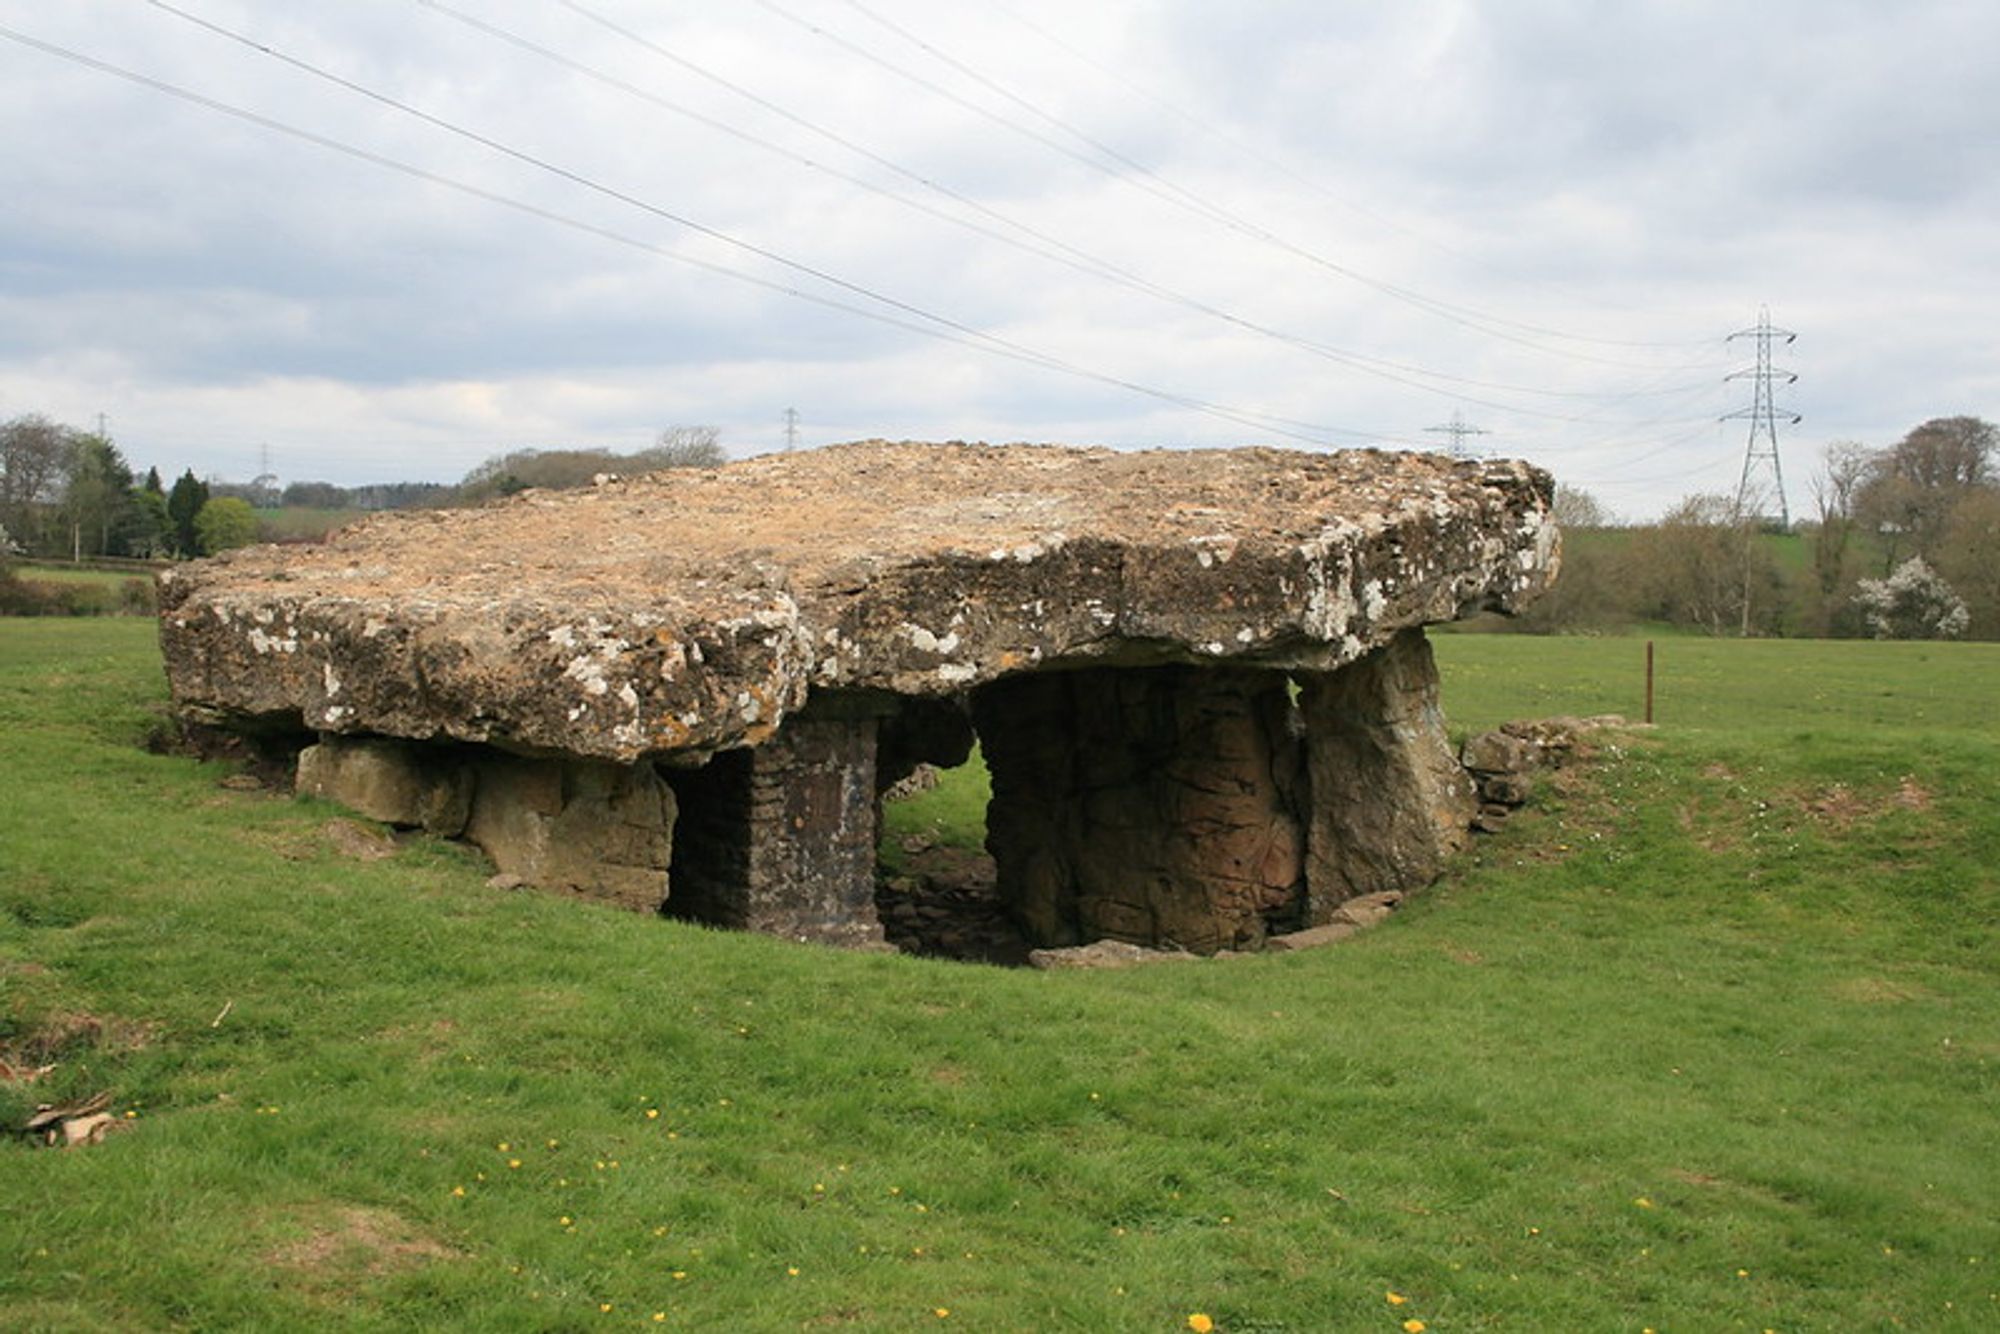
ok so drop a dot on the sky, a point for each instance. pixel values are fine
(384, 240)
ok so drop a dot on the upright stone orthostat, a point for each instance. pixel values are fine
(1161, 805)
(1198, 676)
(781, 838)
(1390, 801)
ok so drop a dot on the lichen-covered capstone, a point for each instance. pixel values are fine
(691, 612)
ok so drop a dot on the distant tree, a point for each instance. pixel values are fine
(97, 496)
(1705, 564)
(1969, 557)
(315, 495)
(1577, 508)
(1835, 488)
(561, 469)
(223, 523)
(684, 447)
(1583, 598)
(148, 530)
(33, 453)
(152, 482)
(183, 504)
(260, 493)
(1911, 487)
(505, 474)
(400, 495)
(1912, 603)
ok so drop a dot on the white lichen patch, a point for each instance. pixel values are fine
(262, 643)
(1373, 599)
(589, 673)
(1211, 549)
(924, 641)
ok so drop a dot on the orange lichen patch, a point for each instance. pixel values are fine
(348, 1242)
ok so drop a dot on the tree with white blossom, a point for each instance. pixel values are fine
(1914, 602)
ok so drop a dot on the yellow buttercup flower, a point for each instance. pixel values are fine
(1200, 1323)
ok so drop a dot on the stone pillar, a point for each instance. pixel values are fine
(397, 782)
(598, 829)
(1157, 806)
(602, 830)
(1389, 800)
(781, 838)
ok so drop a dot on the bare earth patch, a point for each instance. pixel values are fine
(1840, 807)
(53, 1037)
(1912, 795)
(1878, 991)
(352, 1241)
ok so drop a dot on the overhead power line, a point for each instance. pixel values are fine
(1177, 108)
(1039, 243)
(933, 326)
(1139, 176)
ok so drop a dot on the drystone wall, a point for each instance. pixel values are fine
(1199, 677)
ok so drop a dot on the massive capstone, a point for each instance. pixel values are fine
(1199, 675)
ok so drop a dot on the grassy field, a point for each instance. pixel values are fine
(1707, 1040)
(49, 573)
(293, 523)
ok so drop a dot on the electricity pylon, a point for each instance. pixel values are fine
(1458, 429)
(1763, 413)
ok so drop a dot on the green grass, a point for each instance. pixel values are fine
(296, 522)
(1779, 690)
(78, 575)
(1706, 1041)
(952, 814)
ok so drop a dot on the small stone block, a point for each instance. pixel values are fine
(1311, 938)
